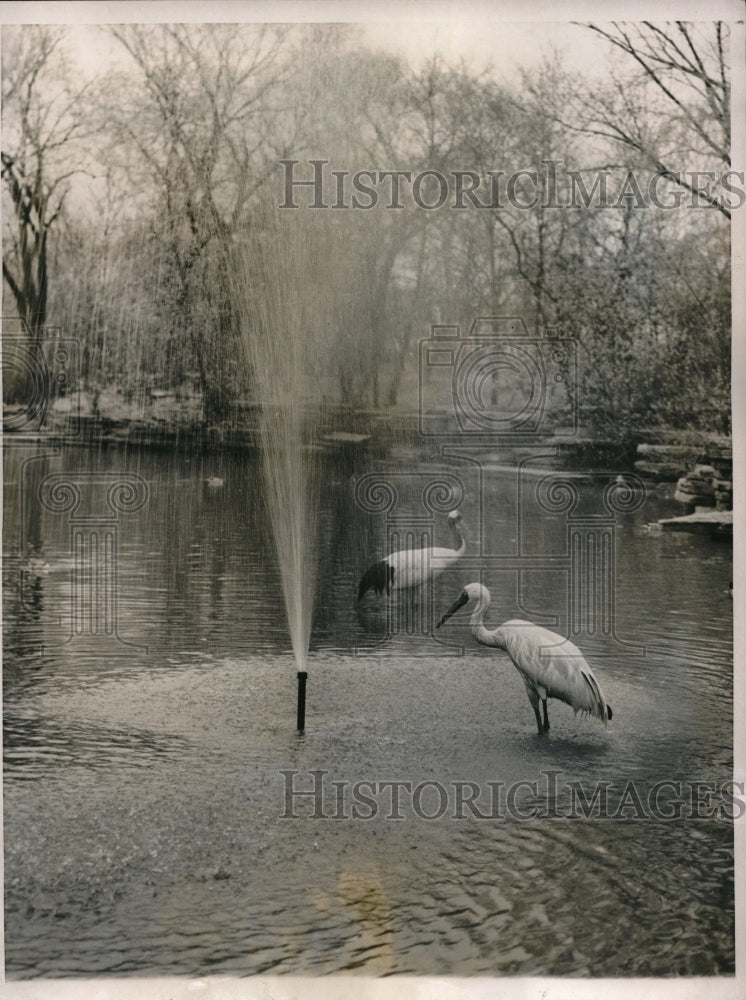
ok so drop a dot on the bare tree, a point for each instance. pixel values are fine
(44, 119)
(194, 127)
(686, 67)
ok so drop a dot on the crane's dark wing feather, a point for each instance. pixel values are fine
(378, 577)
(600, 708)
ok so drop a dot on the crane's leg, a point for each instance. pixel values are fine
(546, 717)
(533, 697)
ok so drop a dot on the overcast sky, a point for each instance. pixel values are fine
(506, 33)
(503, 45)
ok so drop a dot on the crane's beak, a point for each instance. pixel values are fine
(463, 599)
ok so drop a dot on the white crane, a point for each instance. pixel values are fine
(410, 568)
(551, 667)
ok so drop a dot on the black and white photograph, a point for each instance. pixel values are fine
(372, 419)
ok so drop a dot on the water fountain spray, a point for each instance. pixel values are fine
(284, 309)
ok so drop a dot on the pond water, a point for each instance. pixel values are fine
(151, 775)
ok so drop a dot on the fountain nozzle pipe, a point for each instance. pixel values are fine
(302, 677)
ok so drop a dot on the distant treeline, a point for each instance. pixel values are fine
(142, 209)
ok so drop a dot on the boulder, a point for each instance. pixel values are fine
(703, 472)
(697, 487)
(668, 452)
(723, 494)
(663, 472)
(708, 484)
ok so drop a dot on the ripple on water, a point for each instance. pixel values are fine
(142, 796)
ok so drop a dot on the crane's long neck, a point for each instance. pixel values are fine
(458, 534)
(483, 635)
(486, 638)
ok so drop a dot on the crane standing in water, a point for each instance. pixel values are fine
(408, 569)
(551, 667)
